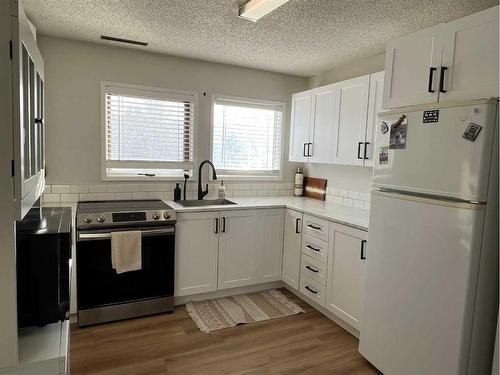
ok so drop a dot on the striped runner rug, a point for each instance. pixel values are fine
(225, 312)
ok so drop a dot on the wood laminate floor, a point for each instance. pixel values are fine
(172, 344)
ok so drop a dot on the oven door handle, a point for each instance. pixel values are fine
(145, 233)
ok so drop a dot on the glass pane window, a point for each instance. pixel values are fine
(247, 137)
(147, 132)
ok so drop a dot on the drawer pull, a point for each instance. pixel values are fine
(312, 269)
(313, 248)
(313, 227)
(311, 290)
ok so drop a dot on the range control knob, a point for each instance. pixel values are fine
(87, 219)
(101, 219)
(166, 215)
(156, 216)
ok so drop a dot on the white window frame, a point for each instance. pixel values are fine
(251, 175)
(161, 93)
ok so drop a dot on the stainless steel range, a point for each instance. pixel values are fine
(103, 295)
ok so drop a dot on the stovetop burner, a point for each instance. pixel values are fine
(100, 214)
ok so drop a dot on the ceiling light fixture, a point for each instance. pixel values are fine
(253, 10)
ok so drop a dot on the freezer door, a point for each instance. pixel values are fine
(433, 157)
(422, 265)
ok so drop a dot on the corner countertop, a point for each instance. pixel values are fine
(354, 217)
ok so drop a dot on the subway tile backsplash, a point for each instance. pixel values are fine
(75, 193)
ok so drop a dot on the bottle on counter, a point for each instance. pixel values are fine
(221, 192)
(298, 190)
(177, 192)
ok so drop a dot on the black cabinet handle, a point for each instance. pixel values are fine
(359, 150)
(297, 221)
(304, 151)
(363, 248)
(364, 154)
(311, 290)
(312, 269)
(313, 248)
(431, 79)
(313, 227)
(216, 225)
(309, 149)
(39, 121)
(441, 79)
(223, 224)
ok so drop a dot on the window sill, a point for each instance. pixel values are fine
(144, 178)
(232, 177)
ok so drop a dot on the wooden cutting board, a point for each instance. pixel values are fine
(315, 188)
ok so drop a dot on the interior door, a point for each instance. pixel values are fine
(346, 273)
(374, 108)
(420, 283)
(300, 126)
(238, 250)
(324, 104)
(351, 117)
(196, 252)
(291, 249)
(470, 57)
(270, 233)
(411, 68)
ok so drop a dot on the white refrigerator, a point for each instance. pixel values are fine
(431, 287)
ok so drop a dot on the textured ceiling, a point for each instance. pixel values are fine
(302, 37)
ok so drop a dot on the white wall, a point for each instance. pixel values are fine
(340, 176)
(74, 70)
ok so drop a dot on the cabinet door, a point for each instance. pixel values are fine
(196, 251)
(346, 269)
(291, 249)
(28, 116)
(374, 108)
(300, 126)
(408, 64)
(324, 106)
(350, 124)
(238, 248)
(270, 251)
(470, 57)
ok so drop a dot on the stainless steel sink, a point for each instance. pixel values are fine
(204, 202)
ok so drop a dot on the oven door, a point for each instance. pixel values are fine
(99, 285)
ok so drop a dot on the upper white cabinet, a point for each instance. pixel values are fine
(350, 121)
(196, 252)
(447, 62)
(28, 114)
(332, 124)
(346, 271)
(292, 246)
(322, 147)
(300, 126)
(374, 108)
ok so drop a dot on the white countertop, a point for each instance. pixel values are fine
(351, 216)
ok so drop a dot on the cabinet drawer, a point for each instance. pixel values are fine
(312, 289)
(315, 227)
(313, 268)
(315, 248)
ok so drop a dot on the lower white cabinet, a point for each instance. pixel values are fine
(291, 248)
(238, 247)
(270, 245)
(196, 251)
(346, 270)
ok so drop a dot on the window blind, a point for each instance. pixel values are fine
(147, 132)
(247, 137)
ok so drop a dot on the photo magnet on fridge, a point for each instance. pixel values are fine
(397, 139)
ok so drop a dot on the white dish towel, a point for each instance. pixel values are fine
(126, 251)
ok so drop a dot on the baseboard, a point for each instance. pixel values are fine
(228, 292)
(353, 331)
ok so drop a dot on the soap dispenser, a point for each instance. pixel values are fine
(177, 192)
(221, 192)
